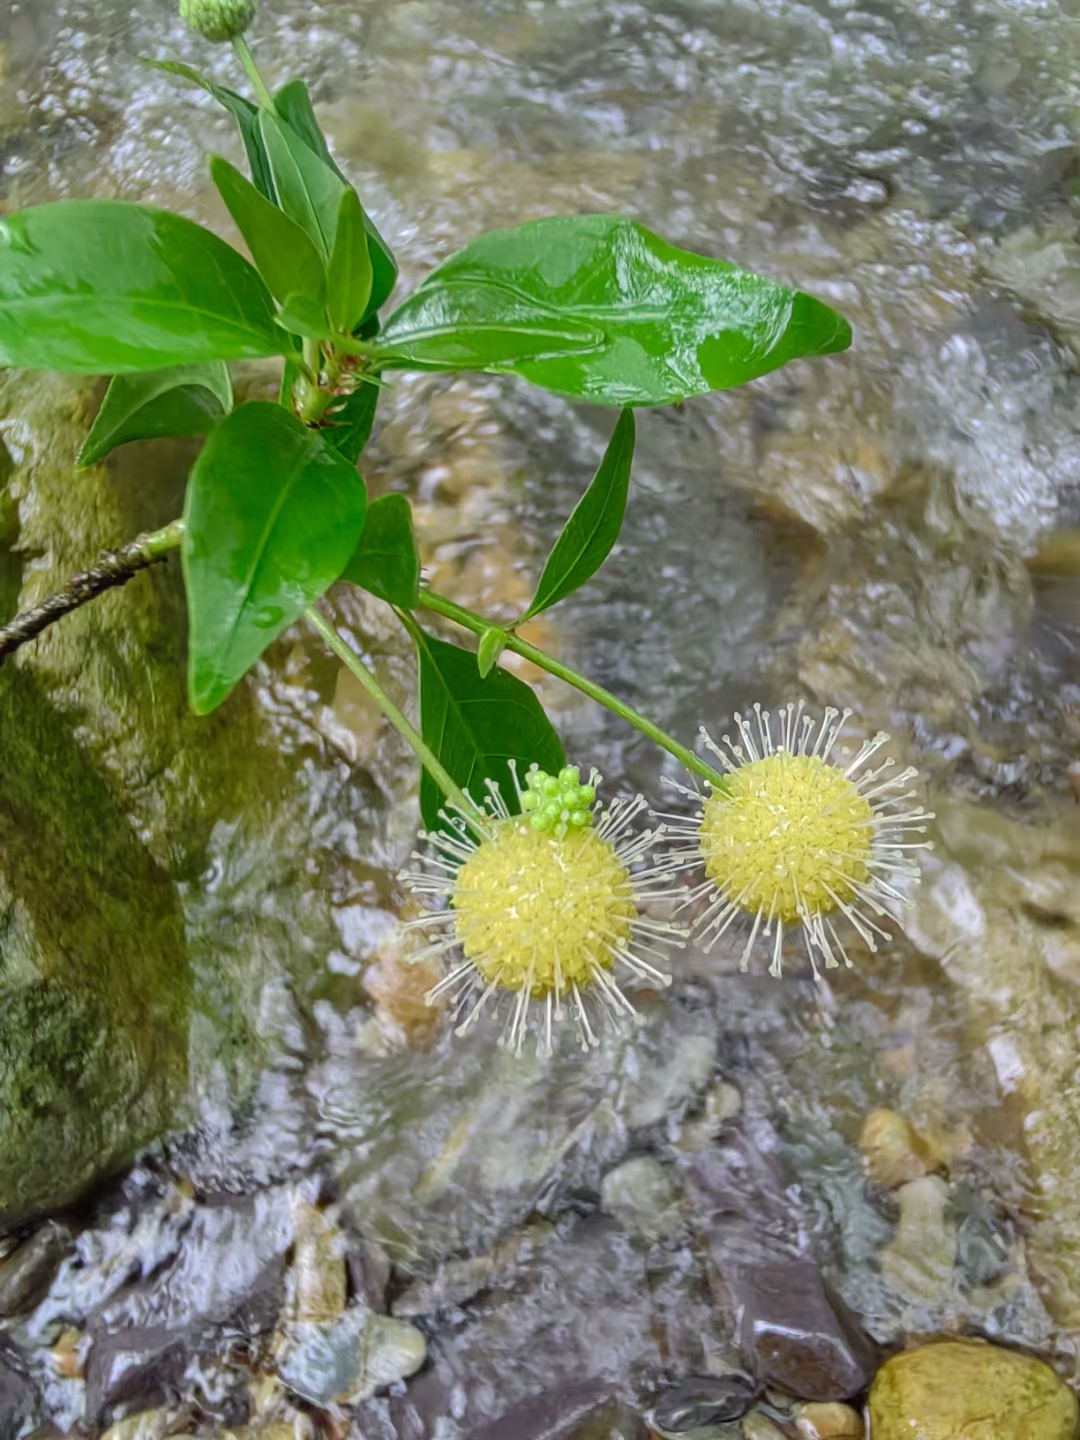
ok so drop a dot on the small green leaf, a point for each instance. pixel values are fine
(181, 400)
(294, 107)
(594, 525)
(349, 274)
(599, 308)
(284, 256)
(492, 643)
(271, 518)
(243, 112)
(307, 189)
(102, 287)
(476, 725)
(301, 315)
(385, 561)
(347, 424)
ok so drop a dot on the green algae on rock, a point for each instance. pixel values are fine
(968, 1390)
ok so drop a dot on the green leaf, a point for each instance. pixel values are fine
(492, 643)
(349, 274)
(347, 425)
(476, 725)
(594, 525)
(271, 518)
(181, 400)
(307, 189)
(294, 106)
(385, 561)
(284, 256)
(301, 315)
(628, 318)
(243, 112)
(104, 287)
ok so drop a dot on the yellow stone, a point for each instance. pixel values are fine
(831, 1421)
(893, 1150)
(968, 1390)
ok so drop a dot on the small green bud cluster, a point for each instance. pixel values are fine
(557, 804)
(218, 20)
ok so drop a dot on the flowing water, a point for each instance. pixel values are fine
(212, 904)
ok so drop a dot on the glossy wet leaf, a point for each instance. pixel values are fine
(476, 725)
(284, 255)
(349, 273)
(626, 318)
(306, 187)
(180, 400)
(303, 315)
(271, 519)
(243, 112)
(348, 423)
(105, 287)
(385, 562)
(594, 525)
(294, 107)
(490, 646)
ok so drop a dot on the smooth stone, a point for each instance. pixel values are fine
(759, 1427)
(150, 1425)
(893, 1150)
(557, 1416)
(968, 1390)
(702, 1400)
(828, 1422)
(28, 1272)
(18, 1394)
(134, 1367)
(349, 1359)
(920, 1261)
(640, 1195)
(795, 1334)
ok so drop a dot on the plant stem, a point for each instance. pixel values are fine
(313, 399)
(243, 52)
(427, 757)
(111, 569)
(477, 624)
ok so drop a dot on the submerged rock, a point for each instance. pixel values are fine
(348, 1359)
(967, 1390)
(797, 1336)
(703, 1400)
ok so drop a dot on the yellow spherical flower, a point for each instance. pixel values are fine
(544, 908)
(798, 838)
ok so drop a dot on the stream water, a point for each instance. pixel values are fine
(561, 1245)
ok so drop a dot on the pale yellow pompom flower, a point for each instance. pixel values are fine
(799, 838)
(544, 909)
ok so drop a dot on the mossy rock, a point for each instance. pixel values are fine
(967, 1390)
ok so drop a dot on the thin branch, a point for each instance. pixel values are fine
(112, 568)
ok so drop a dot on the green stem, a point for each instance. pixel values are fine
(427, 757)
(243, 52)
(313, 399)
(477, 624)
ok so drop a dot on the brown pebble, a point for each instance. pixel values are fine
(893, 1150)
(828, 1422)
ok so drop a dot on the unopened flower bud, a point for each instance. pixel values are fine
(218, 20)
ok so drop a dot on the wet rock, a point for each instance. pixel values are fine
(150, 1425)
(641, 1196)
(26, 1274)
(348, 1359)
(893, 1150)
(920, 1261)
(796, 1335)
(18, 1394)
(134, 1368)
(760, 1427)
(828, 1422)
(551, 1417)
(317, 1286)
(700, 1401)
(962, 1390)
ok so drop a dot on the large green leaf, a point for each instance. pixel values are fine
(385, 561)
(476, 725)
(307, 189)
(181, 400)
(243, 112)
(271, 519)
(599, 308)
(594, 524)
(284, 256)
(105, 287)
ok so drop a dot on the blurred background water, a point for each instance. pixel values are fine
(198, 918)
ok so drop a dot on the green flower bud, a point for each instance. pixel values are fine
(218, 20)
